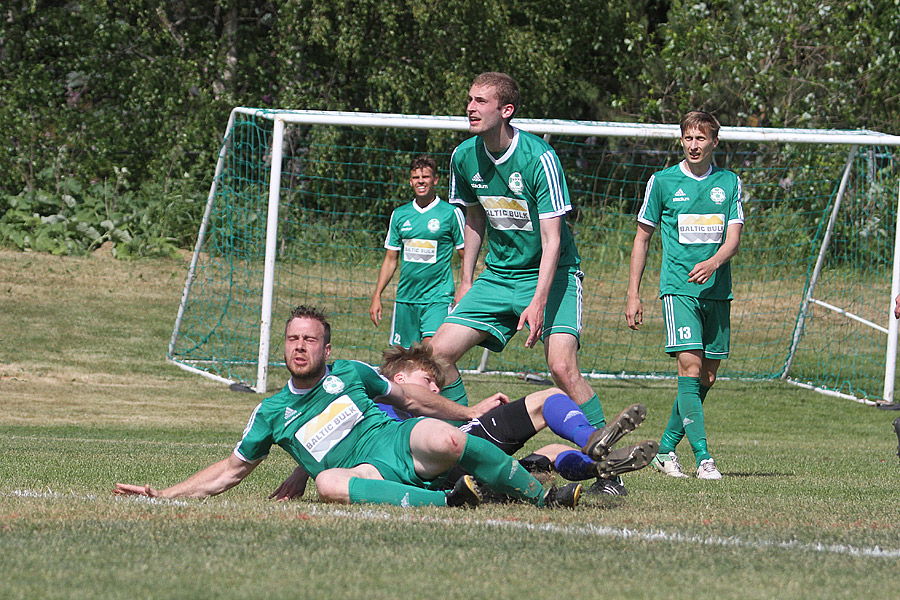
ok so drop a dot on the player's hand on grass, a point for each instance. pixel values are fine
(292, 487)
(375, 310)
(634, 312)
(534, 316)
(489, 403)
(126, 489)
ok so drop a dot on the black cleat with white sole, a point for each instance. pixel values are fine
(608, 487)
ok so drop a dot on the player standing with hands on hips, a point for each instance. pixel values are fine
(697, 208)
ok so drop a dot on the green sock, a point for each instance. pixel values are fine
(456, 391)
(379, 491)
(674, 432)
(594, 412)
(490, 465)
(691, 410)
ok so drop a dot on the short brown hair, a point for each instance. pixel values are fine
(423, 161)
(506, 87)
(702, 120)
(311, 312)
(397, 359)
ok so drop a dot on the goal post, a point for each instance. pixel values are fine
(299, 204)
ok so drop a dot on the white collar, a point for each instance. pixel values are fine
(687, 171)
(431, 205)
(509, 151)
(301, 391)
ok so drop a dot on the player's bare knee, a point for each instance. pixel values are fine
(450, 442)
(332, 488)
(563, 372)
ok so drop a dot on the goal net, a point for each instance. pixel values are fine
(299, 205)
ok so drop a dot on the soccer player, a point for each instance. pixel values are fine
(515, 192)
(426, 231)
(509, 425)
(326, 420)
(697, 207)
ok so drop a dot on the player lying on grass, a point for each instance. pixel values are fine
(510, 425)
(326, 419)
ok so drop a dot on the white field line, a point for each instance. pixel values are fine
(621, 533)
(564, 530)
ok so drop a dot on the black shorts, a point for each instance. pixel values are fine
(507, 426)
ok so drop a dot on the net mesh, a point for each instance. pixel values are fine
(339, 185)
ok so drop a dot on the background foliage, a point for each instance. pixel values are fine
(91, 90)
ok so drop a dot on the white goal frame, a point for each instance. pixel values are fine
(546, 127)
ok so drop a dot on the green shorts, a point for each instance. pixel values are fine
(388, 451)
(495, 303)
(697, 324)
(412, 322)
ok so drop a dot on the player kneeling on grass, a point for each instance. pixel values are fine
(509, 425)
(326, 419)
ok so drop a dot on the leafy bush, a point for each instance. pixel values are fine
(72, 219)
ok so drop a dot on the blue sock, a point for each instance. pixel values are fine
(565, 419)
(573, 465)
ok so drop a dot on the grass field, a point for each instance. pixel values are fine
(808, 507)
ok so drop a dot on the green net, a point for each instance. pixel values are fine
(339, 185)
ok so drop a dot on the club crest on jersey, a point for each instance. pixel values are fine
(717, 195)
(333, 385)
(434, 225)
(515, 183)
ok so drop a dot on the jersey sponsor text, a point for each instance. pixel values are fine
(701, 229)
(326, 431)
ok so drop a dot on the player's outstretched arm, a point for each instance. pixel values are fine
(292, 487)
(213, 480)
(634, 310)
(388, 266)
(419, 401)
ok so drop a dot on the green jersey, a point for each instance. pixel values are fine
(516, 190)
(426, 238)
(693, 214)
(327, 426)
